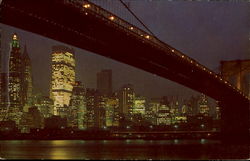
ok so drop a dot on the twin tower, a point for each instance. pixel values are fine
(16, 85)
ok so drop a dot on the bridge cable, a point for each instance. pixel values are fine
(136, 17)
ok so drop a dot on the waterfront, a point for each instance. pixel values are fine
(121, 149)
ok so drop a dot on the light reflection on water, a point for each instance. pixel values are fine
(114, 149)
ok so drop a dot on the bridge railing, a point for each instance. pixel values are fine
(90, 8)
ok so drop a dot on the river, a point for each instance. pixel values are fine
(120, 149)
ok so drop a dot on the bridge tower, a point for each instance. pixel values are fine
(237, 72)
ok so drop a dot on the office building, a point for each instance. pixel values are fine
(104, 82)
(62, 79)
(77, 107)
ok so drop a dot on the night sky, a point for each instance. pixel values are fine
(206, 31)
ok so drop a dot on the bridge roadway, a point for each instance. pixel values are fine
(84, 25)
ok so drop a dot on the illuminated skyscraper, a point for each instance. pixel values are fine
(14, 81)
(15, 75)
(77, 107)
(45, 106)
(26, 78)
(139, 106)
(95, 109)
(126, 100)
(152, 109)
(112, 111)
(104, 82)
(90, 105)
(203, 105)
(63, 78)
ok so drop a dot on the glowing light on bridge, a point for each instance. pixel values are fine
(86, 13)
(182, 56)
(111, 18)
(86, 5)
(147, 36)
(172, 50)
(131, 28)
(14, 37)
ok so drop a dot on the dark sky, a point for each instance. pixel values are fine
(206, 31)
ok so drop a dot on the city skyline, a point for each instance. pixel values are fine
(166, 87)
(124, 79)
(95, 108)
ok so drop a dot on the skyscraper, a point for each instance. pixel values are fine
(139, 105)
(104, 82)
(63, 78)
(26, 78)
(14, 81)
(112, 111)
(95, 103)
(15, 75)
(126, 99)
(203, 105)
(77, 107)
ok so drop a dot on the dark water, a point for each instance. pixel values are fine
(121, 149)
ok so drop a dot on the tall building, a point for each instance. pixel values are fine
(126, 100)
(112, 111)
(203, 105)
(45, 106)
(95, 104)
(77, 107)
(15, 76)
(152, 109)
(63, 78)
(26, 78)
(139, 105)
(90, 106)
(104, 82)
(217, 115)
(163, 116)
